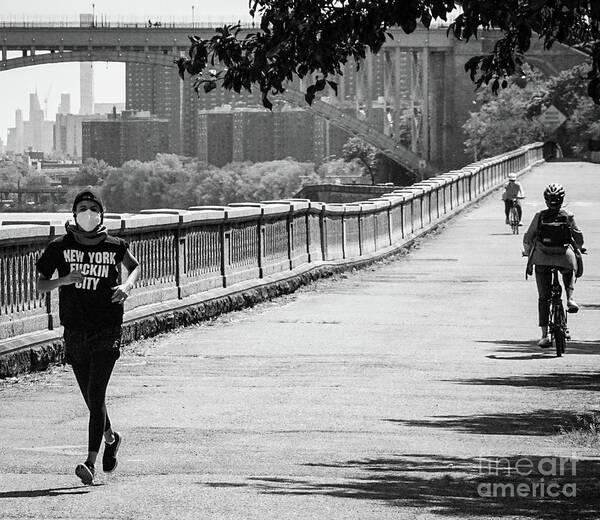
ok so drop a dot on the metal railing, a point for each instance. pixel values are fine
(186, 252)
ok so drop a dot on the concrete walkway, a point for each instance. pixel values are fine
(389, 393)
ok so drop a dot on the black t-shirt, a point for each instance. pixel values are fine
(86, 305)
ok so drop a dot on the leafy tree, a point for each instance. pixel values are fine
(566, 92)
(510, 119)
(504, 122)
(356, 148)
(37, 180)
(92, 172)
(154, 184)
(583, 124)
(313, 38)
(11, 174)
(339, 168)
(247, 182)
(171, 181)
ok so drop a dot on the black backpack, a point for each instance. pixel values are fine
(554, 229)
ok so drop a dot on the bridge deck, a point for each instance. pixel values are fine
(369, 397)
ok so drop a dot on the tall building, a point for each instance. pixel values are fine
(157, 89)
(86, 86)
(215, 137)
(35, 134)
(86, 76)
(228, 134)
(68, 134)
(11, 140)
(120, 138)
(19, 132)
(65, 104)
(33, 128)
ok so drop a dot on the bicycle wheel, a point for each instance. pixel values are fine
(560, 338)
(514, 220)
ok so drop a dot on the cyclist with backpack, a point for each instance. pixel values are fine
(513, 191)
(553, 240)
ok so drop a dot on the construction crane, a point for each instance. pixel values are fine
(46, 102)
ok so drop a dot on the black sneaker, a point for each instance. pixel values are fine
(86, 473)
(109, 458)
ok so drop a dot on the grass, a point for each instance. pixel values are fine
(584, 431)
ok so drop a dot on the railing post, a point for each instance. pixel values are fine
(307, 220)
(260, 233)
(180, 254)
(361, 233)
(225, 243)
(290, 236)
(343, 218)
(48, 295)
(390, 223)
(323, 233)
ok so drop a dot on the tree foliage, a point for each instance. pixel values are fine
(505, 122)
(356, 149)
(511, 118)
(313, 38)
(92, 172)
(171, 181)
(12, 173)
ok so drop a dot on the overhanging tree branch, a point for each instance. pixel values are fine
(314, 38)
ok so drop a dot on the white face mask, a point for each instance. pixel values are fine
(88, 220)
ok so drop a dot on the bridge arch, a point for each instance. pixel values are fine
(388, 146)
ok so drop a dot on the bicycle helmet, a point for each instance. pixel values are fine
(554, 195)
(512, 176)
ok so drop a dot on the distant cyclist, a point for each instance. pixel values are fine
(513, 191)
(550, 241)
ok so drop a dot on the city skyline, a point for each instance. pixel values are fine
(50, 81)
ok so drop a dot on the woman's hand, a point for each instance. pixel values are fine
(121, 292)
(71, 278)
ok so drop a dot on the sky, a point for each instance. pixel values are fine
(109, 78)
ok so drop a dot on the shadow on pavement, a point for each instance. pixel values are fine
(529, 349)
(50, 492)
(536, 422)
(548, 488)
(590, 382)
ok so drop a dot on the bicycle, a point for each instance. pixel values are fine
(557, 325)
(513, 217)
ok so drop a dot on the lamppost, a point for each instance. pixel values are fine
(193, 25)
(93, 15)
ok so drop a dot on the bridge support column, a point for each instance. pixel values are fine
(397, 67)
(425, 92)
(370, 90)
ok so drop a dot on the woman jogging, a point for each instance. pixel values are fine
(91, 300)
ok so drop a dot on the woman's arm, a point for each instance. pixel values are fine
(133, 268)
(47, 284)
(575, 232)
(529, 236)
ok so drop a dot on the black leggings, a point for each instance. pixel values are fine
(93, 379)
